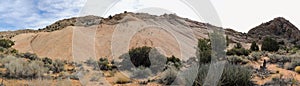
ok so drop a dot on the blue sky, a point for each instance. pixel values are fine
(240, 15)
(34, 14)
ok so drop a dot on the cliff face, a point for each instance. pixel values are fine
(278, 28)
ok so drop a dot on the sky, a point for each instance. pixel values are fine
(240, 15)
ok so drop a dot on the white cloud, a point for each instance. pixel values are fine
(34, 14)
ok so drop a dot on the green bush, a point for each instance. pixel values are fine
(47, 60)
(140, 56)
(269, 44)
(5, 43)
(103, 64)
(28, 55)
(254, 47)
(176, 61)
(238, 51)
(204, 51)
(236, 60)
(233, 75)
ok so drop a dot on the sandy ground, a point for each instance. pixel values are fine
(273, 67)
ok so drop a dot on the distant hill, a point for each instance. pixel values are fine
(279, 29)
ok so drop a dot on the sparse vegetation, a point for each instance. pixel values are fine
(233, 75)
(269, 44)
(238, 50)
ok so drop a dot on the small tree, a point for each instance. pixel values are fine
(238, 46)
(204, 51)
(103, 64)
(254, 47)
(269, 44)
(110, 17)
(227, 41)
(140, 56)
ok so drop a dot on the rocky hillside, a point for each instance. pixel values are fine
(95, 37)
(278, 28)
(92, 36)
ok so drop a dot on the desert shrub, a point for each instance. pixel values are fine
(158, 61)
(236, 60)
(103, 64)
(168, 76)
(176, 61)
(47, 60)
(297, 69)
(28, 55)
(5, 43)
(57, 66)
(254, 47)
(294, 63)
(141, 72)
(140, 56)
(37, 68)
(256, 56)
(15, 68)
(280, 81)
(12, 51)
(93, 63)
(7, 59)
(238, 51)
(274, 58)
(20, 68)
(269, 44)
(204, 51)
(233, 75)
